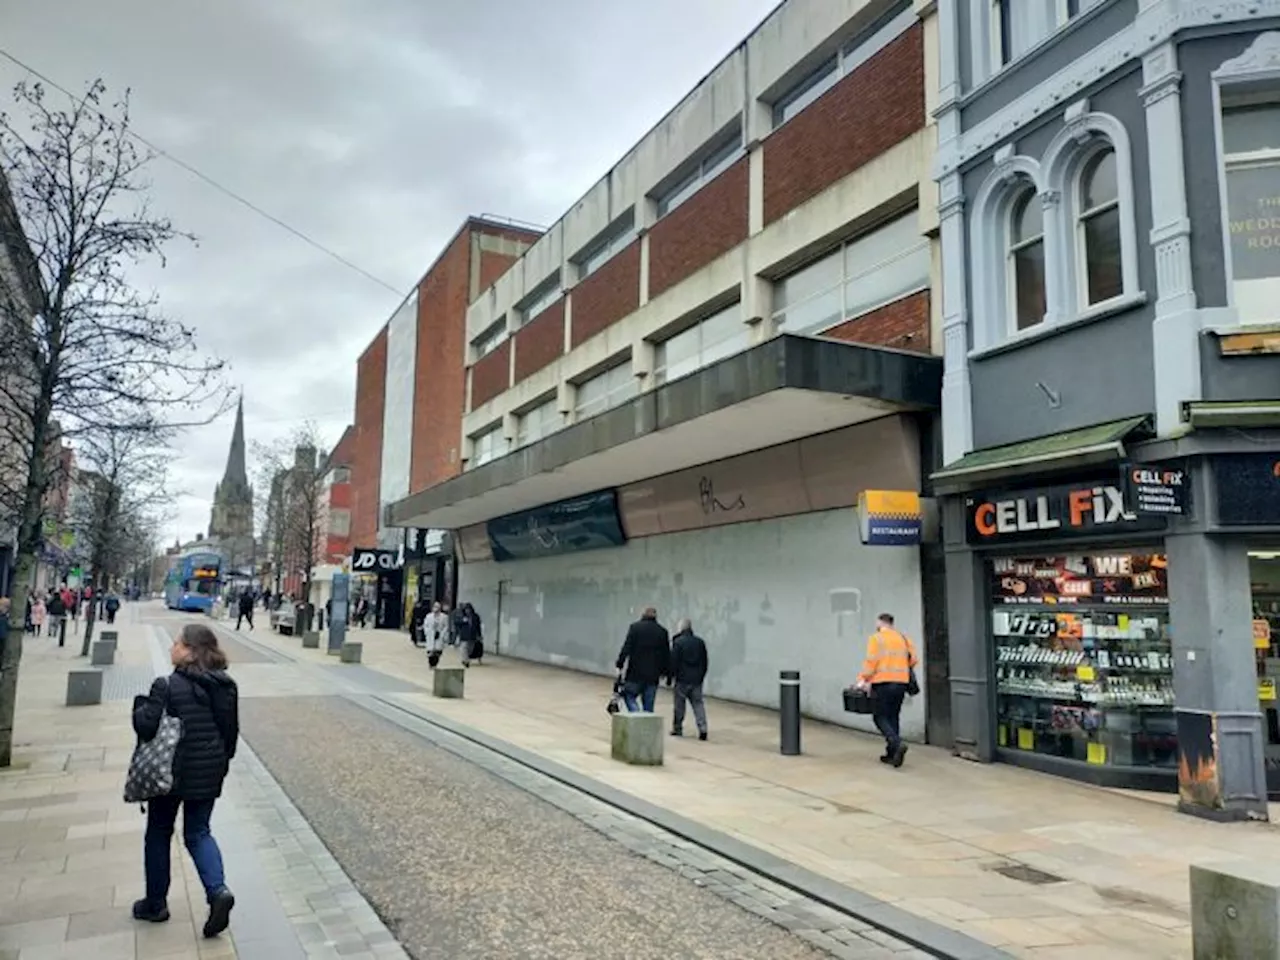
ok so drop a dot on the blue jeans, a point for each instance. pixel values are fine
(647, 694)
(162, 814)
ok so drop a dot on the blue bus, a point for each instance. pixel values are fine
(192, 583)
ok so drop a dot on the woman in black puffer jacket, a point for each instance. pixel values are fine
(205, 699)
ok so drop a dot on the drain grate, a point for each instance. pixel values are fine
(1020, 871)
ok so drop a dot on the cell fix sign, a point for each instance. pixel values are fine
(1048, 513)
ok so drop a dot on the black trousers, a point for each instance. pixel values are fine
(244, 615)
(887, 711)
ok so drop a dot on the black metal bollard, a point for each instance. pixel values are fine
(789, 711)
(62, 631)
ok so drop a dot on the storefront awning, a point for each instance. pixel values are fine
(1103, 443)
(1207, 414)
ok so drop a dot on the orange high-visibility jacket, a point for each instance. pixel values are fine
(890, 658)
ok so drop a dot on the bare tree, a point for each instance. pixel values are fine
(293, 471)
(122, 483)
(82, 348)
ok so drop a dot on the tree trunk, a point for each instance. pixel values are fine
(90, 615)
(12, 655)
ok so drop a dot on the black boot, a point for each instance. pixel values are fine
(145, 911)
(220, 905)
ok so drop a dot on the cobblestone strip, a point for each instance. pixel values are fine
(841, 936)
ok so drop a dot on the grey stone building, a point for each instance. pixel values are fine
(1109, 188)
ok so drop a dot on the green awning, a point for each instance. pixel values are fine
(1103, 443)
(1207, 414)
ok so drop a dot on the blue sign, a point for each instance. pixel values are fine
(589, 522)
(892, 533)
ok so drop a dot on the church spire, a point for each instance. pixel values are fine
(236, 477)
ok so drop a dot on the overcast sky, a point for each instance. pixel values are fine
(374, 128)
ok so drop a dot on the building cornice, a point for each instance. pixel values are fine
(1154, 25)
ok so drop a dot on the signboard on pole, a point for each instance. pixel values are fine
(890, 518)
(338, 613)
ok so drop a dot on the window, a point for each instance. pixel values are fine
(1251, 144)
(707, 170)
(1018, 25)
(1098, 229)
(1026, 261)
(487, 446)
(542, 421)
(605, 391)
(340, 523)
(718, 336)
(853, 55)
(877, 268)
(623, 232)
(340, 475)
(542, 298)
(491, 339)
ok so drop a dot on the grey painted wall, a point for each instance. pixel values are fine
(766, 597)
(1237, 378)
(1066, 46)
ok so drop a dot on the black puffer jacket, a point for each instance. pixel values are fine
(208, 706)
(646, 653)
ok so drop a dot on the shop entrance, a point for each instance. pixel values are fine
(1264, 585)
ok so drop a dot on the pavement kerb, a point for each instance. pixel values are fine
(924, 934)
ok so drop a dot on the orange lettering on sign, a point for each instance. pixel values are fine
(1080, 503)
(982, 519)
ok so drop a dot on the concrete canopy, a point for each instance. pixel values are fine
(786, 388)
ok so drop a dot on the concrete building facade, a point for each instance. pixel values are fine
(677, 395)
(1109, 181)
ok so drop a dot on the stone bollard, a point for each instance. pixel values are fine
(447, 683)
(103, 653)
(84, 688)
(1235, 910)
(351, 652)
(310, 640)
(637, 739)
(109, 636)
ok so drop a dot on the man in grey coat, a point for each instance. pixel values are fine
(688, 671)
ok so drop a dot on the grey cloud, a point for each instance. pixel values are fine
(375, 128)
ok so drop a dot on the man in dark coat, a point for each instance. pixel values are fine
(688, 670)
(645, 658)
(246, 609)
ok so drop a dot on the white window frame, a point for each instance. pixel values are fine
(713, 163)
(778, 316)
(1055, 177)
(525, 432)
(486, 446)
(1254, 70)
(1047, 17)
(490, 339)
(1013, 248)
(544, 297)
(622, 233)
(660, 364)
(834, 69)
(1082, 216)
(624, 390)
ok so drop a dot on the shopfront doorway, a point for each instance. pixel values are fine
(1264, 586)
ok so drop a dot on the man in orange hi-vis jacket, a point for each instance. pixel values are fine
(888, 670)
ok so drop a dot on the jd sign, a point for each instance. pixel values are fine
(371, 561)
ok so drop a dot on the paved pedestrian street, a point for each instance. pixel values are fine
(350, 829)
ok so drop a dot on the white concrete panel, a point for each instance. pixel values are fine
(397, 415)
(801, 593)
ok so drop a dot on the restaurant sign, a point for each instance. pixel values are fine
(1046, 513)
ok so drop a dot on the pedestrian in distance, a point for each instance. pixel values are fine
(688, 671)
(645, 658)
(73, 609)
(112, 606)
(57, 611)
(470, 633)
(246, 605)
(417, 621)
(39, 613)
(889, 672)
(436, 633)
(201, 694)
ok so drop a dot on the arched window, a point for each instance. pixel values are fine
(1099, 253)
(1026, 261)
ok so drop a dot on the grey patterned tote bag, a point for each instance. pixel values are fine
(151, 768)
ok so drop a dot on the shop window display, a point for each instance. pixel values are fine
(1264, 578)
(1084, 666)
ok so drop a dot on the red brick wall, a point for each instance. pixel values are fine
(540, 342)
(440, 378)
(903, 325)
(491, 375)
(366, 461)
(877, 106)
(607, 295)
(710, 223)
(493, 266)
